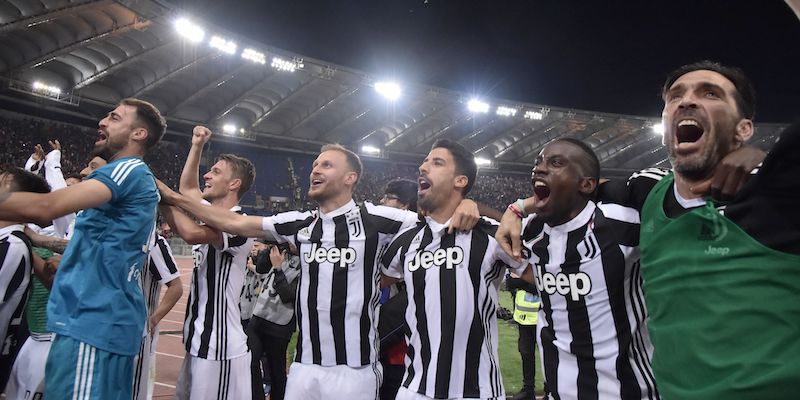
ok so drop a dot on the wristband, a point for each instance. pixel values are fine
(513, 208)
(521, 204)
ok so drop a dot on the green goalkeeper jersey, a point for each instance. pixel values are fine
(724, 309)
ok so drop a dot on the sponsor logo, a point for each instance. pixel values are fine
(448, 258)
(572, 285)
(717, 251)
(333, 255)
(134, 273)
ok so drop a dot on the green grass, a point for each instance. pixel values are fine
(510, 362)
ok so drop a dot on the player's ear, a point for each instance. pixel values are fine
(587, 185)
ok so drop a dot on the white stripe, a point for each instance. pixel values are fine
(91, 372)
(77, 373)
(125, 171)
(120, 165)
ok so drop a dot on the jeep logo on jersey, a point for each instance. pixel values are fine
(448, 257)
(573, 284)
(334, 255)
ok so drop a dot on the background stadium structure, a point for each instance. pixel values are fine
(71, 61)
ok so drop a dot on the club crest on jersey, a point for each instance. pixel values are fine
(572, 285)
(448, 258)
(333, 255)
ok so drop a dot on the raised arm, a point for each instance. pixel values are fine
(216, 217)
(190, 186)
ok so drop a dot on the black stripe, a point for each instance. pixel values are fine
(191, 313)
(211, 287)
(418, 280)
(382, 224)
(341, 235)
(448, 311)
(291, 228)
(489, 315)
(153, 270)
(298, 351)
(313, 289)
(613, 264)
(371, 277)
(549, 351)
(410, 353)
(582, 345)
(165, 253)
(236, 241)
(640, 314)
(472, 359)
(401, 241)
(20, 273)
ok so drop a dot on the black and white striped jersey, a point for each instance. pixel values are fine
(160, 269)
(452, 282)
(337, 295)
(213, 327)
(593, 338)
(15, 277)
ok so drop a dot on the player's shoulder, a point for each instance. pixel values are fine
(648, 175)
(125, 171)
(386, 211)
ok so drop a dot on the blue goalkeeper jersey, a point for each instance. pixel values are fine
(96, 297)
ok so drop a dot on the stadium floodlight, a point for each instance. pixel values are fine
(254, 56)
(283, 65)
(390, 90)
(506, 111)
(534, 115)
(38, 86)
(370, 149)
(659, 129)
(482, 162)
(477, 106)
(190, 31)
(226, 46)
(229, 128)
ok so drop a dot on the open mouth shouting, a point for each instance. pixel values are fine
(541, 191)
(101, 137)
(424, 185)
(688, 133)
(316, 183)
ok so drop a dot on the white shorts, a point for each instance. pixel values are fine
(27, 374)
(201, 379)
(144, 368)
(315, 382)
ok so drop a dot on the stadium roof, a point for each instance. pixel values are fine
(85, 56)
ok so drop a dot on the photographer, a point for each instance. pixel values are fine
(273, 320)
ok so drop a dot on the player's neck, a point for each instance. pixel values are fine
(684, 186)
(446, 211)
(336, 202)
(227, 202)
(128, 151)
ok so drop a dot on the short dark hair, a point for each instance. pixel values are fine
(590, 163)
(745, 95)
(465, 161)
(148, 115)
(405, 190)
(353, 160)
(25, 181)
(74, 175)
(242, 169)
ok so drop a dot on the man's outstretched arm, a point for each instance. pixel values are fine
(216, 217)
(41, 209)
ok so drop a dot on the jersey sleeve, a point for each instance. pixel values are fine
(392, 260)
(284, 226)
(634, 191)
(127, 177)
(164, 265)
(392, 220)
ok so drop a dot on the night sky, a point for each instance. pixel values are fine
(606, 55)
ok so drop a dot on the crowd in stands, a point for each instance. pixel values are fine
(18, 136)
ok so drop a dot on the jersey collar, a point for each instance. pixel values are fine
(339, 211)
